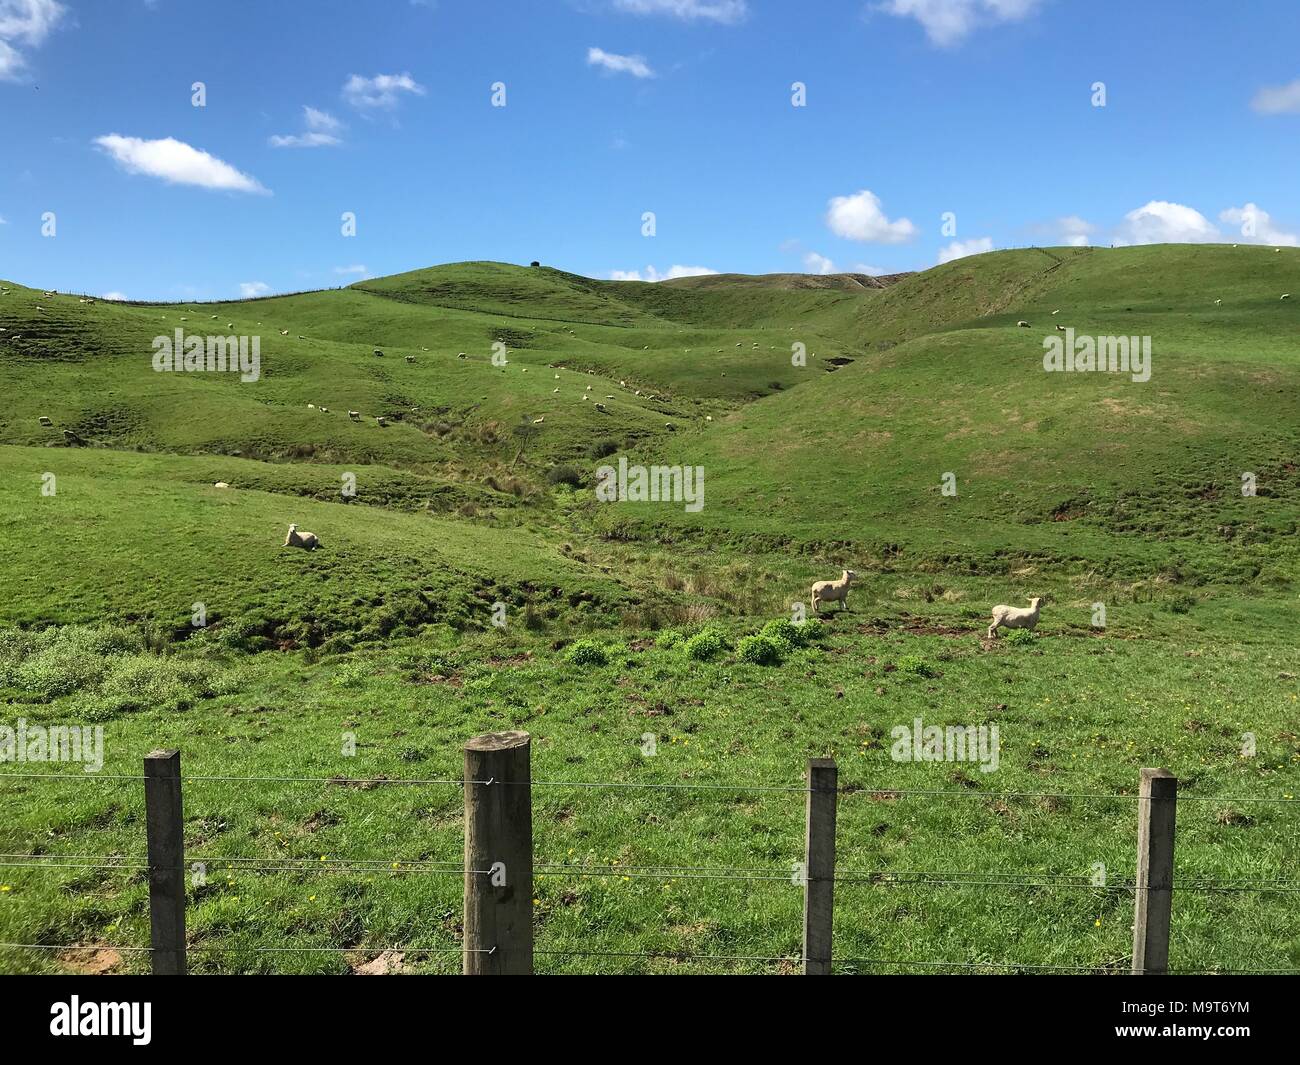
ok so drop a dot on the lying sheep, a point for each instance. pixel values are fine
(378, 354)
(410, 358)
(1013, 617)
(1060, 329)
(223, 484)
(306, 540)
(832, 591)
(1023, 325)
(355, 415)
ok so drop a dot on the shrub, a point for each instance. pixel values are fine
(916, 666)
(352, 675)
(1181, 603)
(564, 475)
(706, 643)
(762, 650)
(586, 653)
(602, 448)
(669, 638)
(1020, 638)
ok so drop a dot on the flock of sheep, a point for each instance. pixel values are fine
(1004, 617)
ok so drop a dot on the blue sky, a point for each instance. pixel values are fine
(614, 108)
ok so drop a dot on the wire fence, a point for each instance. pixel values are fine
(882, 878)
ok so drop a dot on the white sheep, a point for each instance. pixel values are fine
(1014, 617)
(410, 358)
(223, 484)
(832, 591)
(381, 421)
(355, 415)
(306, 540)
(1286, 295)
(1023, 325)
(1060, 329)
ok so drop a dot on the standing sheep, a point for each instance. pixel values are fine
(831, 591)
(308, 541)
(1014, 617)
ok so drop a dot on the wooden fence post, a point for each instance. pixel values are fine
(819, 866)
(498, 855)
(1153, 894)
(165, 827)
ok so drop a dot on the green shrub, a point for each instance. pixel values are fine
(564, 475)
(586, 653)
(705, 644)
(351, 675)
(1020, 638)
(762, 650)
(602, 448)
(669, 638)
(147, 682)
(916, 666)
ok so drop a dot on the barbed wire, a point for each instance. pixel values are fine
(846, 790)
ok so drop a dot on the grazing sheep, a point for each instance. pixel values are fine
(1217, 302)
(381, 421)
(1286, 295)
(72, 438)
(554, 390)
(324, 410)
(538, 421)
(1060, 329)
(833, 591)
(1023, 325)
(46, 421)
(600, 407)
(1057, 311)
(378, 354)
(306, 540)
(284, 332)
(410, 358)
(213, 317)
(1013, 617)
(462, 355)
(355, 415)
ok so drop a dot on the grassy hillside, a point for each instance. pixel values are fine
(629, 618)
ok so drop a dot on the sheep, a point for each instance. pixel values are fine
(600, 407)
(462, 355)
(324, 410)
(1217, 302)
(213, 317)
(301, 337)
(1011, 617)
(378, 354)
(1060, 329)
(554, 390)
(410, 358)
(1057, 311)
(1286, 295)
(538, 421)
(72, 438)
(308, 541)
(221, 484)
(284, 332)
(1023, 325)
(381, 421)
(833, 591)
(46, 421)
(355, 415)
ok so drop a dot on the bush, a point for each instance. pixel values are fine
(1019, 638)
(669, 638)
(785, 631)
(602, 448)
(564, 475)
(762, 650)
(587, 653)
(352, 675)
(705, 644)
(916, 666)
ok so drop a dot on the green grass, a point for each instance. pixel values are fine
(628, 619)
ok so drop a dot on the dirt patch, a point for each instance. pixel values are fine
(91, 961)
(386, 964)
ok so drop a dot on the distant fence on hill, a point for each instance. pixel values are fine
(500, 866)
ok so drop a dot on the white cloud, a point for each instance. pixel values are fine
(1256, 226)
(1161, 222)
(818, 264)
(357, 269)
(651, 274)
(1075, 230)
(381, 91)
(1278, 99)
(959, 249)
(948, 22)
(4, 221)
(859, 217)
(619, 64)
(870, 271)
(176, 162)
(321, 132)
(728, 12)
(249, 290)
(25, 22)
(113, 296)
